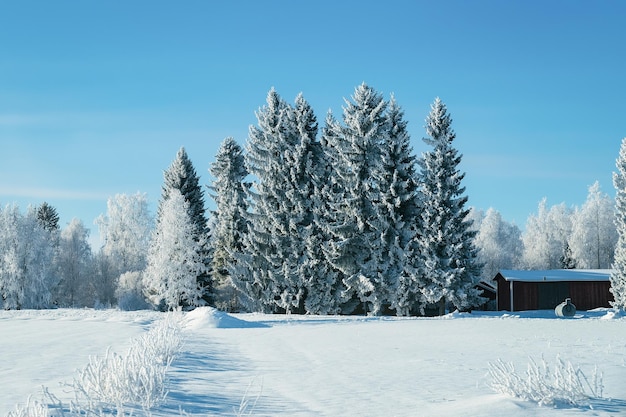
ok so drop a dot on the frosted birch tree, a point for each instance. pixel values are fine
(500, 244)
(546, 237)
(451, 267)
(74, 264)
(594, 234)
(618, 276)
(175, 258)
(26, 260)
(125, 230)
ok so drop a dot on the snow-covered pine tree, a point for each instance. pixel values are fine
(398, 214)
(259, 272)
(229, 223)
(618, 275)
(280, 157)
(181, 175)
(306, 178)
(325, 294)
(449, 254)
(48, 217)
(175, 258)
(354, 247)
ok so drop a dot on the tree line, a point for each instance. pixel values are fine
(342, 219)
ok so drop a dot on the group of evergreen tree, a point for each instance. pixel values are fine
(344, 223)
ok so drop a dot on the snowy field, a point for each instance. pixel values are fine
(323, 366)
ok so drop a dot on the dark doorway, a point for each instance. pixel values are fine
(551, 294)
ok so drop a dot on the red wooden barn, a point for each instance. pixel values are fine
(544, 290)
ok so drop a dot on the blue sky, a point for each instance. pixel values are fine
(97, 97)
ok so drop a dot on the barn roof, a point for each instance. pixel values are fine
(556, 275)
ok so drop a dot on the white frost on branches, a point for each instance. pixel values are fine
(174, 259)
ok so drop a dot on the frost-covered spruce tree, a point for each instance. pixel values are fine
(181, 175)
(398, 214)
(259, 272)
(48, 217)
(307, 177)
(229, 223)
(175, 257)
(451, 268)
(618, 275)
(354, 248)
(325, 293)
(279, 157)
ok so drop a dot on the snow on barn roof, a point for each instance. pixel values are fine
(556, 275)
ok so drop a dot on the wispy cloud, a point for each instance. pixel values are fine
(52, 193)
(60, 118)
(12, 120)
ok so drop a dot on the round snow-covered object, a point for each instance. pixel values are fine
(565, 309)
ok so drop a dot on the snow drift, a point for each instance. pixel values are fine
(209, 317)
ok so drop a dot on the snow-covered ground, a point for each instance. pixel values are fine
(323, 366)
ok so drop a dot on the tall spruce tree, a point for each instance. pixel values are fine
(181, 175)
(326, 292)
(451, 268)
(261, 273)
(229, 225)
(279, 265)
(398, 213)
(354, 248)
(618, 275)
(306, 174)
(48, 217)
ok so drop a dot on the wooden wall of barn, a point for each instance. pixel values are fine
(590, 295)
(585, 295)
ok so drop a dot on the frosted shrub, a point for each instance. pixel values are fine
(562, 385)
(30, 409)
(115, 382)
(129, 292)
